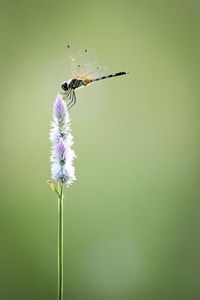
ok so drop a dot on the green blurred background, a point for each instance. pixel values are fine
(132, 218)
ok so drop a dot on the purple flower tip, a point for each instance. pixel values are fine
(60, 109)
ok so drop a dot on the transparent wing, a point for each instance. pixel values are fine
(97, 72)
(73, 57)
(84, 64)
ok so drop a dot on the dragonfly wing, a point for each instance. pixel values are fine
(73, 58)
(97, 72)
(84, 64)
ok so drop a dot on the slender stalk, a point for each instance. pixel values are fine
(60, 241)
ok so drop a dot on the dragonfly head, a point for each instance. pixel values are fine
(65, 86)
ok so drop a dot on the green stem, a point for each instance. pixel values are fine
(60, 241)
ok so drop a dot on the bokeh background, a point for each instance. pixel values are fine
(132, 218)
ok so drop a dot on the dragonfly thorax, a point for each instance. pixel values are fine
(75, 83)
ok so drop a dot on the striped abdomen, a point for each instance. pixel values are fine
(109, 76)
(77, 83)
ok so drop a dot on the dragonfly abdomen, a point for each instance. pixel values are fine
(109, 76)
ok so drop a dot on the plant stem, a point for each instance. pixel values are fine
(60, 241)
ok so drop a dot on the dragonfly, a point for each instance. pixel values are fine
(85, 70)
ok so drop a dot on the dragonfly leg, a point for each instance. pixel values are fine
(73, 101)
(67, 95)
(74, 98)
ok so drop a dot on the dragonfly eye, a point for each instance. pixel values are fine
(65, 86)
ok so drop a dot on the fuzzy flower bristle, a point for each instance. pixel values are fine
(62, 156)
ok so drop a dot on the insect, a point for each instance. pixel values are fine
(85, 70)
